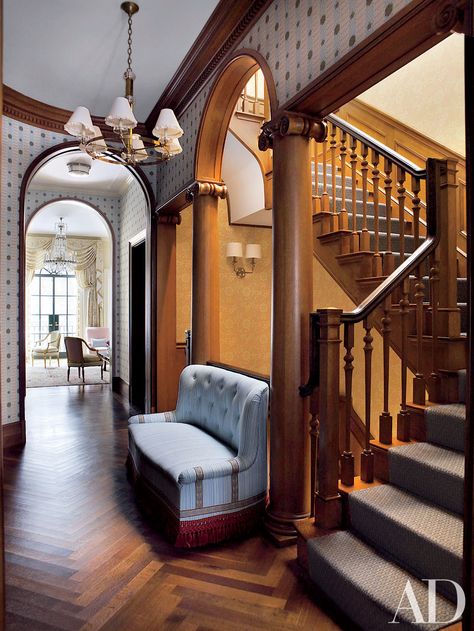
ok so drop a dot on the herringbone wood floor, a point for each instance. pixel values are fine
(80, 555)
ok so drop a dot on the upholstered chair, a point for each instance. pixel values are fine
(77, 358)
(47, 348)
(202, 468)
(98, 337)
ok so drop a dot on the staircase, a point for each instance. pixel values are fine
(401, 520)
(407, 530)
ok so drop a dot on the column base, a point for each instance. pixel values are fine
(281, 530)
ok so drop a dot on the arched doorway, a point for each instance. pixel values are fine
(141, 183)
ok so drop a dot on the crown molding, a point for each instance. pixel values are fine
(228, 24)
(23, 108)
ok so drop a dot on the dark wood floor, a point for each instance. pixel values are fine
(80, 555)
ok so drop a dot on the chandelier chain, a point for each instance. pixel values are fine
(129, 51)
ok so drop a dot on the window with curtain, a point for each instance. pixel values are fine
(52, 304)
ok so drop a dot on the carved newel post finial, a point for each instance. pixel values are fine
(291, 124)
(214, 189)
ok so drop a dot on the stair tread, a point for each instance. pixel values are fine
(365, 585)
(425, 539)
(431, 472)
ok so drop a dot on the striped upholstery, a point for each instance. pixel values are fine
(208, 458)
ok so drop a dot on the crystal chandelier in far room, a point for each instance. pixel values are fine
(124, 145)
(58, 260)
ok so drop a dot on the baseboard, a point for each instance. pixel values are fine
(121, 387)
(14, 434)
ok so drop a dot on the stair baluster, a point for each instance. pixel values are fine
(403, 419)
(401, 190)
(377, 263)
(333, 149)
(419, 379)
(324, 195)
(343, 217)
(434, 385)
(317, 206)
(347, 458)
(367, 456)
(385, 419)
(388, 262)
(355, 234)
(364, 234)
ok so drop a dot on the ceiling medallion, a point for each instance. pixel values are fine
(124, 145)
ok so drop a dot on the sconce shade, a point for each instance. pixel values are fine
(234, 249)
(80, 123)
(174, 147)
(167, 125)
(121, 115)
(253, 251)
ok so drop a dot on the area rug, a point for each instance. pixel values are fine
(41, 377)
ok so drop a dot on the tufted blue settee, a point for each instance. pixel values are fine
(204, 465)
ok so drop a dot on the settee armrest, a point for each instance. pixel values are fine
(160, 417)
(211, 470)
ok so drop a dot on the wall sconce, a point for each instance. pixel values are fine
(234, 251)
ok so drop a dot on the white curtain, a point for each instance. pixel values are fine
(88, 269)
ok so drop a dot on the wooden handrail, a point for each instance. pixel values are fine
(241, 371)
(371, 142)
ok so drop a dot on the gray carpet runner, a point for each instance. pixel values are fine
(410, 529)
(366, 586)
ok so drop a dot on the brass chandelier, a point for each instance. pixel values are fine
(125, 146)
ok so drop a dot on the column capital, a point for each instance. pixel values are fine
(169, 218)
(292, 124)
(214, 189)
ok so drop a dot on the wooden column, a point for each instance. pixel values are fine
(167, 370)
(205, 285)
(292, 302)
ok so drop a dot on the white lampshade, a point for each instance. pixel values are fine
(174, 147)
(234, 249)
(98, 146)
(167, 125)
(139, 151)
(121, 115)
(80, 122)
(253, 251)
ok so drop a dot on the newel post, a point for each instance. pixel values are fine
(449, 314)
(327, 502)
(205, 284)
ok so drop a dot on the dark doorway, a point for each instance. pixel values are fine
(137, 326)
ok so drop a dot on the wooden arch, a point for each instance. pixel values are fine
(219, 108)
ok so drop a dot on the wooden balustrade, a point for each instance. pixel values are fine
(390, 299)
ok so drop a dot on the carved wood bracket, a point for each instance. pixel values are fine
(450, 17)
(213, 189)
(291, 124)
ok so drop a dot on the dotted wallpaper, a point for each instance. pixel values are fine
(21, 144)
(133, 220)
(300, 39)
(173, 175)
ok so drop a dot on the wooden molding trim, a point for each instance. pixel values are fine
(121, 387)
(32, 112)
(410, 32)
(14, 434)
(227, 25)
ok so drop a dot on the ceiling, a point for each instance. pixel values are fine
(103, 178)
(74, 53)
(80, 219)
